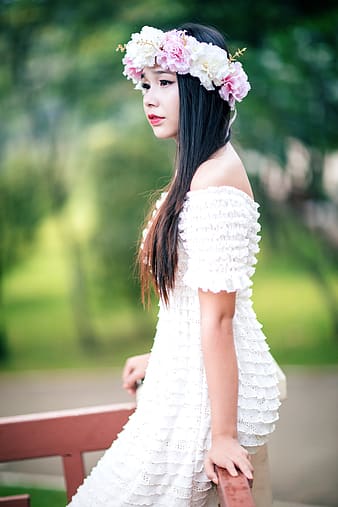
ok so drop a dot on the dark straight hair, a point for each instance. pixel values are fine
(203, 128)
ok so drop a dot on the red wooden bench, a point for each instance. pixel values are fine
(70, 433)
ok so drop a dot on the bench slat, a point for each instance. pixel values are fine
(233, 491)
(74, 472)
(15, 501)
(61, 433)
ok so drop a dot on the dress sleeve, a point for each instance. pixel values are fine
(219, 232)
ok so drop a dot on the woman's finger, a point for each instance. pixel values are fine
(230, 466)
(245, 467)
(134, 377)
(210, 470)
(247, 472)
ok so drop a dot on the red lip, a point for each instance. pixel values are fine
(155, 120)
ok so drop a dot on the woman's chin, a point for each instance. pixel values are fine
(160, 134)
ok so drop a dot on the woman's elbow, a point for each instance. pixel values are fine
(217, 325)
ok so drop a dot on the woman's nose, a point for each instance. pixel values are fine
(150, 98)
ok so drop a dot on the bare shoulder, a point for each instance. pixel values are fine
(225, 168)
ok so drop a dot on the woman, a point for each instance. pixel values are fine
(210, 392)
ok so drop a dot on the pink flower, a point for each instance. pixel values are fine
(235, 85)
(174, 54)
(130, 71)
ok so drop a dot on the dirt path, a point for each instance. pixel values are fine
(303, 451)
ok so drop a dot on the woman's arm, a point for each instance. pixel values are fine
(220, 361)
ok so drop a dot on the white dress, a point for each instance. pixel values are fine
(157, 459)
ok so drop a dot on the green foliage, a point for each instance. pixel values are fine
(75, 145)
(40, 497)
(124, 175)
(294, 80)
(28, 192)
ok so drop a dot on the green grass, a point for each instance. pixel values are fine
(42, 332)
(295, 318)
(39, 497)
(40, 318)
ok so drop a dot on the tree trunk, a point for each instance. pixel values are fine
(82, 314)
(4, 349)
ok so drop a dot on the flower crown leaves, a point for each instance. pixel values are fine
(178, 52)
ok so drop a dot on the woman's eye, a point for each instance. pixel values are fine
(145, 86)
(165, 82)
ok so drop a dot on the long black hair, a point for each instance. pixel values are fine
(204, 120)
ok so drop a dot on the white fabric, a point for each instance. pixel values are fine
(157, 459)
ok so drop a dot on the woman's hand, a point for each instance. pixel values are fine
(227, 453)
(134, 370)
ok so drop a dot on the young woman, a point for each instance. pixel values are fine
(210, 392)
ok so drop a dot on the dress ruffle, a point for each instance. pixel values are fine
(219, 231)
(157, 460)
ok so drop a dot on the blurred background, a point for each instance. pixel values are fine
(79, 166)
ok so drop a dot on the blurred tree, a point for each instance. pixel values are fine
(22, 206)
(295, 82)
(60, 77)
(123, 178)
(38, 90)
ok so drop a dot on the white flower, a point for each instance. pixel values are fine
(153, 36)
(144, 46)
(210, 64)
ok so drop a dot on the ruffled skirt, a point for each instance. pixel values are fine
(157, 459)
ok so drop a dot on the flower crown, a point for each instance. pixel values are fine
(178, 52)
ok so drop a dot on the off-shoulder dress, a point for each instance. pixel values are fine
(157, 459)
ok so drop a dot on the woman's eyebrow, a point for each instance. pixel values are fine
(158, 71)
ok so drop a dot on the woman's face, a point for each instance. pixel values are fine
(161, 101)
